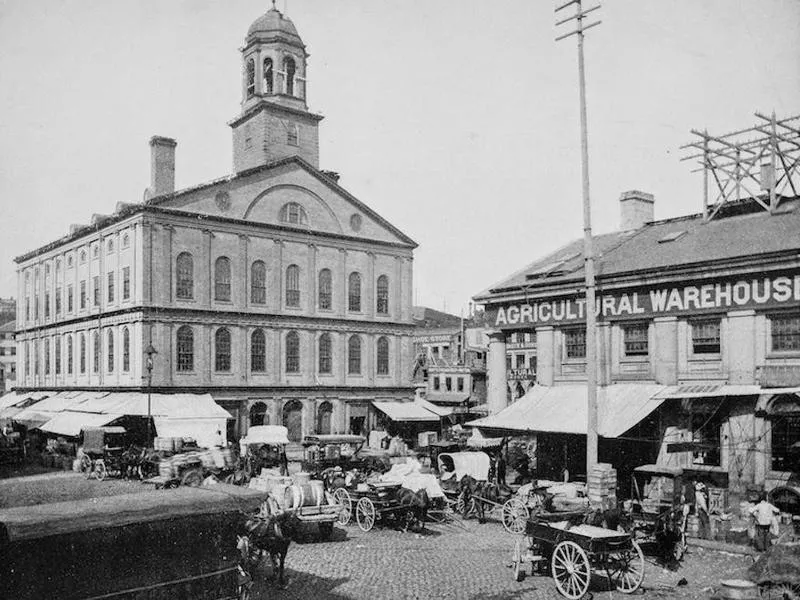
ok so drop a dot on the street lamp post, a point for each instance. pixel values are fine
(149, 351)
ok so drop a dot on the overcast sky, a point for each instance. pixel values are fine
(457, 120)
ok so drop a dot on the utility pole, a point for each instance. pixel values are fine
(588, 252)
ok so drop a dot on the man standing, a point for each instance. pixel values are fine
(701, 509)
(763, 513)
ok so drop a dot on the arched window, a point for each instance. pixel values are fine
(289, 68)
(293, 420)
(325, 289)
(251, 77)
(354, 292)
(324, 414)
(222, 350)
(110, 341)
(325, 355)
(292, 285)
(382, 363)
(382, 296)
(294, 213)
(268, 76)
(69, 354)
(222, 279)
(292, 352)
(184, 276)
(258, 414)
(258, 351)
(185, 347)
(126, 350)
(354, 355)
(258, 282)
(96, 354)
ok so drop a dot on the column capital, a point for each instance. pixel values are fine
(496, 335)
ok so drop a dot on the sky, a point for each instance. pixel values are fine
(456, 120)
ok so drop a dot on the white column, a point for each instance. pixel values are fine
(496, 372)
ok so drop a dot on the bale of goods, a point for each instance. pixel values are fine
(301, 478)
(258, 484)
(165, 469)
(306, 494)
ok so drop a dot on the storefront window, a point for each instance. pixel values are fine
(706, 428)
(785, 434)
(785, 333)
(575, 343)
(705, 337)
(635, 340)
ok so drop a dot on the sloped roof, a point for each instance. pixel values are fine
(664, 245)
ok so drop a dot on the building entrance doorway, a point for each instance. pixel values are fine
(293, 420)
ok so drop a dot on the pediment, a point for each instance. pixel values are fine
(292, 194)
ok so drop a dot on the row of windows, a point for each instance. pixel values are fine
(258, 352)
(289, 77)
(184, 288)
(56, 344)
(82, 256)
(448, 383)
(97, 289)
(705, 337)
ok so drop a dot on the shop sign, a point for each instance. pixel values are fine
(521, 374)
(762, 292)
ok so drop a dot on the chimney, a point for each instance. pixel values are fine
(162, 166)
(636, 209)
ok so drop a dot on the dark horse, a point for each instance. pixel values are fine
(474, 494)
(415, 507)
(270, 536)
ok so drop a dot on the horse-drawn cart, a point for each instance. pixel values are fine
(103, 451)
(574, 553)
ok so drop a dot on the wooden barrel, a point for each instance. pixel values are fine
(738, 589)
(306, 494)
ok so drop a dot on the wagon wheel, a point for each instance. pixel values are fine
(345, 506)
(192, 477)
(571, 572)
(86, 464)
(100, 471)
(516, 561)
(365, 514)
(460, 504)
(628, 568)
(780, 591)
(515, 515)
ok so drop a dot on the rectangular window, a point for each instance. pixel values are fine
(436, 383)
(58, 355)
(448, 384)
(785, 333)
(46, 356)
(508, 362)
(706, 429)
(785, 436)
(460, 384)
(111, 287)
(126, 283)
(575, 343)
(36, 306)
(27, 308)
(83, 295)
(520, 361)
(58, 301)
(96, 290)
(96, 356)
(70, 298)
(635, 340)
(705, 337)
(47, 305)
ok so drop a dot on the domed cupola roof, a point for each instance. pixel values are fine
(273, 25)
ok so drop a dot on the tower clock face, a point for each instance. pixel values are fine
(223, 200)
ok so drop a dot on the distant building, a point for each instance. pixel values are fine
(8, 309)
(273, 289)
(8, 356)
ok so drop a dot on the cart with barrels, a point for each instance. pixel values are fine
(311, 503)
(157, 545)
(574, 553)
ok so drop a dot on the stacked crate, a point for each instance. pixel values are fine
(601, 486)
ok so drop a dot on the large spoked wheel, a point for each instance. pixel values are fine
(515, 515)
(516, 561)
(345, 506)
(460, 505)
(780, 591)
(571, 572)
(192, 477)
(365, 514)
(86, 464)
(100, 472)
(627, 568)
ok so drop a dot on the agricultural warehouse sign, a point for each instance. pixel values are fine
(757, 293)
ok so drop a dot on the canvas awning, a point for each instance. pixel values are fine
(70, 423)
(705, 390)
(406, 411)
(442, 411)
(41, 412)
(563, 409)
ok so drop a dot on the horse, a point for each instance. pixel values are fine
(270, 536)
(415, 505)
(473, 492)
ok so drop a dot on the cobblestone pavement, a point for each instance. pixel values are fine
(455, 562)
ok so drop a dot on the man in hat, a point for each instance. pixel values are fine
(763, 513)
(701, 509)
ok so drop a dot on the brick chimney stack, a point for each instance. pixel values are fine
(162, 166)
(636, 209)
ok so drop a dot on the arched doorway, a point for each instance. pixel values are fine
(293, 419)
(324, 414)
(258, 414)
